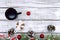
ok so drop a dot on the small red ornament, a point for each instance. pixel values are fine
(19, 36)
(28, 13)
(32, 39)
(41, 35)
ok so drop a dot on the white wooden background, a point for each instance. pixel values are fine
(43, 13)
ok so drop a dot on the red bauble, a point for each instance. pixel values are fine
(41, 35)
(19, 36)
(28, 13)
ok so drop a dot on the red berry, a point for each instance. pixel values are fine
(28, 13)
(19, 36)
(41, 35)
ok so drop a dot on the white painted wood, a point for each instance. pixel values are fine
(40, 9)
